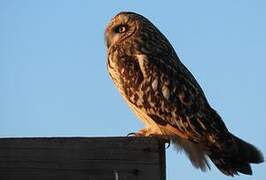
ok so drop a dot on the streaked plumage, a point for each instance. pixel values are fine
(166, 97)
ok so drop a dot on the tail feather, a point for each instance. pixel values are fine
(238, 161)
(231, 167)
(248, 152)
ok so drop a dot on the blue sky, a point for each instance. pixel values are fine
(54, 81)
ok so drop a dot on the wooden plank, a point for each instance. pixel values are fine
(96, 158)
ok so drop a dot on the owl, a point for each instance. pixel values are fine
(163, 94)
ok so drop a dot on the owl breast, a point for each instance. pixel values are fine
(126, 73)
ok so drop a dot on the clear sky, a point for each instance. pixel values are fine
(54, 81)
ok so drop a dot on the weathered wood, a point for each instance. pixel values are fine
(114, 158)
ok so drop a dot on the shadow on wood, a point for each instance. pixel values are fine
(114, 158)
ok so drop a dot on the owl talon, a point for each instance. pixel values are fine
(168, 143)
(164, 139)
(132, 134)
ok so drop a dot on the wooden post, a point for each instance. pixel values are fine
(96, 158)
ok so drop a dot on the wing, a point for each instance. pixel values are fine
(162, 88)
(170, 95)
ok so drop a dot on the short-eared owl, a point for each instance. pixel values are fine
(167, 98)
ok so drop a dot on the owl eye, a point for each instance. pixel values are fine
(120, 29)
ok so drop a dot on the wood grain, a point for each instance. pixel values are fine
(94, 158)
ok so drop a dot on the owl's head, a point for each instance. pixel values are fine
(136, 31)
(122, 26)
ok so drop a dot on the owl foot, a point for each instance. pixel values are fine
(137, 134)
(145, 132)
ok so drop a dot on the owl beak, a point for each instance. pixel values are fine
(107, 39)
(107, 42)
